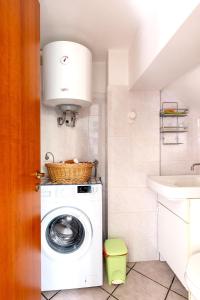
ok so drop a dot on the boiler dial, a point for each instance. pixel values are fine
(64, 60)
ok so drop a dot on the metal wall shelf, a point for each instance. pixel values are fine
(169, 112)
(176, 114)
(173, 129)
(172, 143)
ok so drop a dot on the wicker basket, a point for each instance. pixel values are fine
(69, 173)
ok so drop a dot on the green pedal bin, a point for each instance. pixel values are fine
(115, 252)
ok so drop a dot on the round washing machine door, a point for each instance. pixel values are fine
(66, 232)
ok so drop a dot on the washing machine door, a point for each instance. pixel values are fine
(66, 232)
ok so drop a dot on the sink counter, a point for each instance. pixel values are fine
(176, 186)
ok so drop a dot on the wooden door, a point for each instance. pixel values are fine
(19, 150)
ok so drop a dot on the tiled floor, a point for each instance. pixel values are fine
(151, 280)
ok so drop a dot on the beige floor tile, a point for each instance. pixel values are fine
(106, 286)
(130, 264)
(156, 270)
(179, 288)
(49, 294)
(42, 298)
(82, 294)
(174, 296)
(139, 287)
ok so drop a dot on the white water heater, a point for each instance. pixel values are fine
(66, 74)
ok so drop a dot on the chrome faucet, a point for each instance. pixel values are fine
(194, 165)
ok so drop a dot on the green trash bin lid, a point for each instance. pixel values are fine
(113, 247)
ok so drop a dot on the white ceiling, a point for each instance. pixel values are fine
(97, 24)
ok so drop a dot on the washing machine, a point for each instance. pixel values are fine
(71, 236)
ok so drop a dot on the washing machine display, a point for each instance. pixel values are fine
(65, 234)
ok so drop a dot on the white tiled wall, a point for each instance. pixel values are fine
(85, 139)
(177, 159)
(82, 141)
(133, 153)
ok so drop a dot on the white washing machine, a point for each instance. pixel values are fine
(71, 236)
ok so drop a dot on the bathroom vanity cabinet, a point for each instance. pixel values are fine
(178, 232)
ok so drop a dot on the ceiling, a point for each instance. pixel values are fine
(97, 24)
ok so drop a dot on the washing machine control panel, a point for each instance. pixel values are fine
(83, 189)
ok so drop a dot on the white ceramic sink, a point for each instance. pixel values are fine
(176, 186)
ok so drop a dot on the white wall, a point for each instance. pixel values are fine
(186, 88)
(177, 159)
(133, 153)
(134, 148)
(157, 27)
(118, 68)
